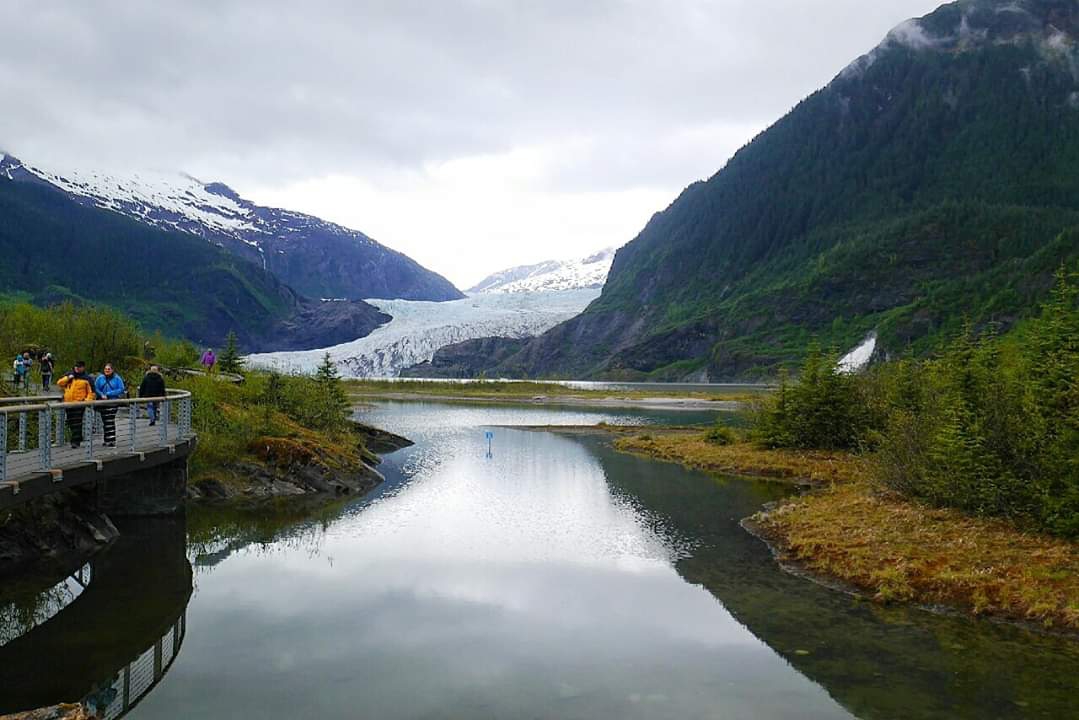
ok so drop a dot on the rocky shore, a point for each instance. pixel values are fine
(297, 468)
(52, 534)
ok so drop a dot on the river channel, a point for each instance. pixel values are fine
(502, 571)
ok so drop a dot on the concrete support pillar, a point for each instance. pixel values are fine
(160, 490)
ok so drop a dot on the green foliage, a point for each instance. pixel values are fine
(58, 251)
(94, 334)
(229, 417)
(230, 360)
(721, 434)
(989, 426)
(825, 409)
(905, 196)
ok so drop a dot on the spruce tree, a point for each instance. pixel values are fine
(333, 394)
(230, 360)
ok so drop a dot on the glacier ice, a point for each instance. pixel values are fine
(420, 328)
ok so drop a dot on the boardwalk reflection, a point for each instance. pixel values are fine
(113, 642)
(31, 607)
(122, 692)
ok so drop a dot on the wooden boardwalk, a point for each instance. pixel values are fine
(39, 455)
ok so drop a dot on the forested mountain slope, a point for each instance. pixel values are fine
(55, 249)
(934, 179)
(319, 259)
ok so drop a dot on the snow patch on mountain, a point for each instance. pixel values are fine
(178, 199)
(419, 329)
(315, 257)
(552, 275)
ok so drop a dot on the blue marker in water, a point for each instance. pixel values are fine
(490, 436)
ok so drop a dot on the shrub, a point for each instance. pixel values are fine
(721, 435)
(825, 409)
(992, 425)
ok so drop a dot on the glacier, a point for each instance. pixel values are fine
(420, 328)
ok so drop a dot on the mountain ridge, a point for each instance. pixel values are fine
(58, 250)
(589, 272)
(931, 180)
(318, 258)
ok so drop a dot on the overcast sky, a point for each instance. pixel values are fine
(471, 135)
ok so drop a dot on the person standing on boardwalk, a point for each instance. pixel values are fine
(18, 369)
(109, 386)
(22, 366)
(77, 389)
(47, 365)
(152, 386)
(208, 359)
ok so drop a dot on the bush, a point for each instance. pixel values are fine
(991, 426)
(84, 332)
(825, 409)
(721, 435)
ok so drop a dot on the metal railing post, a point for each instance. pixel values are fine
(3, 447)
(88, 430)
(185, 417)
(61, 422)
(44, 437)
(22, 431)
(132, 418)
(163, 420)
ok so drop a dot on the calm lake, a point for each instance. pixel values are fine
(529, 574)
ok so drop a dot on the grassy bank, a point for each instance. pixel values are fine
(274, 429)
(886, 547)
(693, 448)
(895, 550)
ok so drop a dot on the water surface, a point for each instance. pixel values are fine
(532, 575)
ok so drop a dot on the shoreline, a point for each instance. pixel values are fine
(611, 401)
(296, 469)
(841, 535)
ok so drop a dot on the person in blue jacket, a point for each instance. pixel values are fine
(109, 386)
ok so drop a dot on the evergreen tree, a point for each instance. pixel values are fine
(332, 394)
(230, 360)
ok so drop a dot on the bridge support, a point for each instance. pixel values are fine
(152, 491)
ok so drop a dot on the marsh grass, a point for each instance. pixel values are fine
(890, 548)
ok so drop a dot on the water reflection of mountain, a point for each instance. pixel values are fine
(877, 662)
(114, 642)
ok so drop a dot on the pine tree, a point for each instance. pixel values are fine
(230, 360)
(333, 394)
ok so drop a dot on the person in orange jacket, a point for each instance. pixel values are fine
(77, 389)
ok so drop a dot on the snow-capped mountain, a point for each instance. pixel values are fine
(418, 329)
(552, 275)
(318, 258)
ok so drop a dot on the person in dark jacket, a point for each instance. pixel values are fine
(152, 386)
(47, 364)
(109, 386)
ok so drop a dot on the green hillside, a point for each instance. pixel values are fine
(55, 249)
(934, 179)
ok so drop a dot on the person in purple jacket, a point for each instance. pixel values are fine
(209, 359)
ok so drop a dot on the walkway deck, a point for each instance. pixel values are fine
(36, 455)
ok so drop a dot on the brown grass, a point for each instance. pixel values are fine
(692, 449)
(897, 550)
(891, 549)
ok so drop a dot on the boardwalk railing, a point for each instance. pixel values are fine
(45, 435)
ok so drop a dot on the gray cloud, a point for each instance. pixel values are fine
(277, 91)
